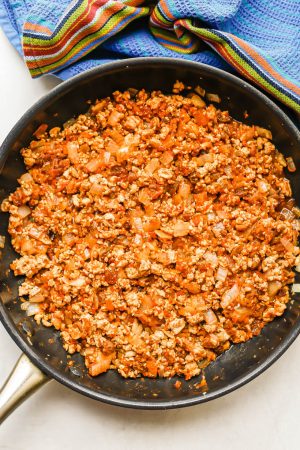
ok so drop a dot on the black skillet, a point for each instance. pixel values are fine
(241, 363)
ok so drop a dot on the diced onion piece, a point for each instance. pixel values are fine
(197, 101)
(32, 309)
(101, 365)
(218, 228)
(23, 211)
(152, 166)
(241, 314)
(171, 254)
(263, 132)
(211, 216)
(132, 92)
(204, 159)
(200, 90)
(137, 239)
(69, 239)
(78, 282)
(213, 98)
(138, 224)
(91, 240)
(296, 211)
(273, 287)
(286, 187)
(2, 241)
(54, 131)
(122, 154)
(200, 198)
(35, 233)
(167, 157)
(144, 196)
(112, 147)
(27, 246)
(109, 216)
(69, 123)
(162, 234)
(281, 159)
(210, 317)
(296, 288)
(211, 258)
(287, 214)
(177, 199)
(24, 306)
(184, 190)
(26, 178)
(193, 287)
(106, 157)
(290, 164)
(152, 225)
(296, 224)
(116, 136)
(114, 118)
(72, 148)
(248, 135)
(287, 245)
(221, 274)
(230, 296)
(262, 186)
(98, 106)
(37, 298)
(181, 228)
(297, 260)
(93, 165)
(96, 189)
(228, 171)
(40, 130)
(222, 214)
(297, 268)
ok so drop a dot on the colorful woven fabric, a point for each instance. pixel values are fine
(257, 38)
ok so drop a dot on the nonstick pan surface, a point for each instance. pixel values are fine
(240, 363)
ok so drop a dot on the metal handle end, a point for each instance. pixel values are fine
(23, 381)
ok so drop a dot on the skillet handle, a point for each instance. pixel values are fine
(23, 381)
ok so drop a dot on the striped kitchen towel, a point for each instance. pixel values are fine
(260, 39)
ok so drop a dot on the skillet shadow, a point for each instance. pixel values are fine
(55, 394)
(50, 81)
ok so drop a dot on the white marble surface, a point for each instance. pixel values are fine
(264, 414)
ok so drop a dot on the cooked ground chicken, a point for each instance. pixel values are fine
(154, 232)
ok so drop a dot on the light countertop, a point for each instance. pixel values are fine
(262, 415)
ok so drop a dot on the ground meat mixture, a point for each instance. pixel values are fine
(154, 232)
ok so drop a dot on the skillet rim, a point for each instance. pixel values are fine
(7, 322)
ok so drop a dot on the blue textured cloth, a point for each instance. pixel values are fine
(270, 27)
(135, 41)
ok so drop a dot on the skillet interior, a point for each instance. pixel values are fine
(241, 362)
